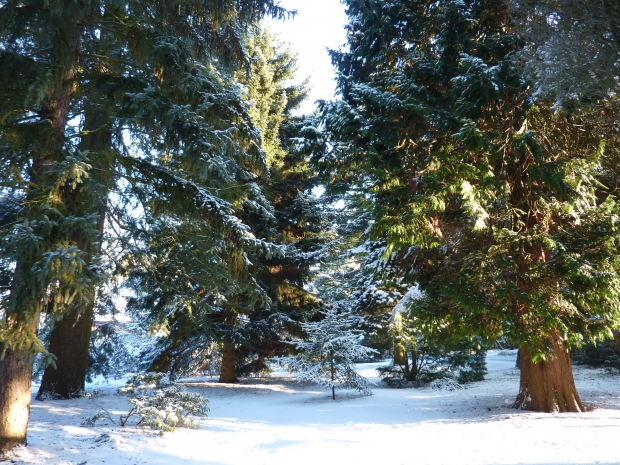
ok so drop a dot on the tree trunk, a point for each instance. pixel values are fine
(548, 386)
(70, 337)
(227, 372)
(414, 365)
(331, 367)
(15, 381)
(69, 342)
(27, 289)
(16, 377)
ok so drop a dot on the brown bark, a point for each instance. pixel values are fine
(27, 298)
(548, 386)
(15, 381)
(227, 372)
(69, 342)
(70, 337)
(16, 377)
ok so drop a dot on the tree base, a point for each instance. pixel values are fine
(229, 360)
(548, 386)
(15, 381)
(52, 392)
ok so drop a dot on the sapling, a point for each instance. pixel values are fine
(162, 404)
(328, 356)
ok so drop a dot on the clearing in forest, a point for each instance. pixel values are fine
(278, 421)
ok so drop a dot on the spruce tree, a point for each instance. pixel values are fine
(38, 59)
(242, 299)
(191, 84)
(499, 204)
(329, 354)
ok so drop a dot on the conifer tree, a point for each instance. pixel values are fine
(328, 356)
(243, 300)
(48, 69)
(203, 151)
(498, 204)
(38, 59)
(571, 51)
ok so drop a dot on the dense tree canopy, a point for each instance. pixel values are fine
(501, 206)
(152, 146)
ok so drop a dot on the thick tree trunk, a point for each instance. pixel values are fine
(70, 337)
(227, 372)
(28, 291)
(16, 377)
(548, 386)
(15, 381)
(16, 365)
(69, 342)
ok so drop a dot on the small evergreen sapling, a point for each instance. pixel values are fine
(328, 356)
(161, 404)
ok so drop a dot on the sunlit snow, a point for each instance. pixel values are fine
(278, 421)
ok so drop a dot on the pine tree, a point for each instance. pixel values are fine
(498, 204)
(329, 354)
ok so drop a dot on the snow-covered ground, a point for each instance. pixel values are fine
(277, 421)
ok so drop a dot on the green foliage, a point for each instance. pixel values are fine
(158, 126)
(502, 208)
(572, 57)
(421, 354)
(327, 357)
(199, 273)
(162, 405)
(602, 354)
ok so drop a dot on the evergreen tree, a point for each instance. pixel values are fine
(49, 69)
(498, 204)
(328, 356)
(38, 63)
(193, 83)
(245, 300)
(571, 53)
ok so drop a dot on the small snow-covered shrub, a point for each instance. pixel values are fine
(445, 384)
(162, 404)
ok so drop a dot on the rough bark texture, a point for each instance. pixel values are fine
(548, 386)
(16, 377)
(70, 337)
(69, 342)
(26, 299)
(227, 372)
(15, 381)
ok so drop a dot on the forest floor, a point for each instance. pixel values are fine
(278, 421)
